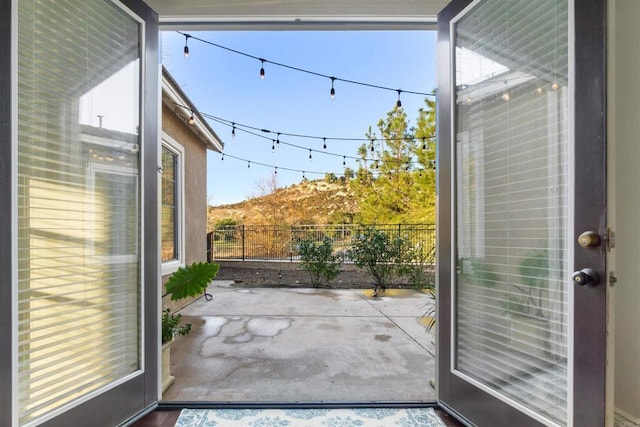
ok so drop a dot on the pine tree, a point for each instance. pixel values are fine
(395, 181)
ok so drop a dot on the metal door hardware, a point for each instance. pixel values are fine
(589, 239)
(586, 276)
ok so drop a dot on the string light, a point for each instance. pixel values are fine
(344, 160)
(186, 46)
(399, 103)
(222, 158)
(276, 171)
(192, 120)
(506, 97)
(273, 145)
(304, 172)
(372, 140)
(302, 70)
(303, 177)
(262, 68)
(310, 157)
(324, 145)
(424, 143)
(333, 91)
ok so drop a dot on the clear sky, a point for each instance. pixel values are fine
(228, 86)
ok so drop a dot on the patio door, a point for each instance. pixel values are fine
(83, 297)
(522, 212)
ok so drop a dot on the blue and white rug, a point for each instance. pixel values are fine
(366, 417)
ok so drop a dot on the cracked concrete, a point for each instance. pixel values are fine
(304, 345)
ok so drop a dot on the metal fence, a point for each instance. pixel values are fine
(263, 242)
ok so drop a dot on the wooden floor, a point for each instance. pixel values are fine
(167, 418)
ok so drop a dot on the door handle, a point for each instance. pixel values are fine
(586, 276)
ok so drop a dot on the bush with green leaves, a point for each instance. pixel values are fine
(380, 254)
(419, 266)
(171, 326)
(188, 281)
(319, 260)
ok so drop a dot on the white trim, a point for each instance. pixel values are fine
(211, 139)
(176, 148)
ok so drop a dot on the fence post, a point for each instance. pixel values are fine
(242, 241)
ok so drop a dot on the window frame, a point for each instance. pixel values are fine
(172, 145)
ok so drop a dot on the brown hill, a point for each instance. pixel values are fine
(309, 202)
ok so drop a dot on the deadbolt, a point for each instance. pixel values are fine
(589, 239)
(586, 276)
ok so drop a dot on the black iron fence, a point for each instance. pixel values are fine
(264, 242)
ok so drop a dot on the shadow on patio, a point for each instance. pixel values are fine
(304, 345)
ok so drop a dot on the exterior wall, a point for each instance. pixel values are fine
(624, 204)
(195, 196)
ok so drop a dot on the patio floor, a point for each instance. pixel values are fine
(304, 345)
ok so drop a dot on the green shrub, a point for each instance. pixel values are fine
(419, 267)
(319, 260)
(379, 254)
(171, 326)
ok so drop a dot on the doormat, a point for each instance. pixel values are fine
(365, 417)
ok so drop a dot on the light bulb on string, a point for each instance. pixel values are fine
(273, 145)
(275, 171)
(222, 158)
(555, 86)
(192, 120)
(186, 47)
(344, 160)
(233, 130)
(506, 97)
(398, 102)
(278, 138)
(303, 177)
(310, 156)
(420, 173)
(249, 165)
(333, 91)
(372, 145)
(262, 68)
(424, 143)
(325, 143)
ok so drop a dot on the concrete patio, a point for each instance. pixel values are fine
(304, 345)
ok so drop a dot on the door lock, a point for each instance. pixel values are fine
(586, 276)
(589, 239)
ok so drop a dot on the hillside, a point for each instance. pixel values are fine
(309, 202)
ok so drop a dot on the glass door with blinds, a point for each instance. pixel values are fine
(516, 204)
(85, 292)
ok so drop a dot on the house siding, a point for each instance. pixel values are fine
(195, 196)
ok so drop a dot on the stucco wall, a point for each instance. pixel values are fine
(195, 186)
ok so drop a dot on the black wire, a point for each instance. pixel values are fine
(302, 70)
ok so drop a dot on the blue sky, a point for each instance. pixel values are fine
(227, 85)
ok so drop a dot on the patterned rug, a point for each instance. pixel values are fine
(366, 417)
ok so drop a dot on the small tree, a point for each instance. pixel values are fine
(319, 260)
(379, 254)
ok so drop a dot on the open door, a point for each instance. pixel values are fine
(522, 287)
(83, 289)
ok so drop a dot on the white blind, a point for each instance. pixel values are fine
(78, 207)
(512, 174)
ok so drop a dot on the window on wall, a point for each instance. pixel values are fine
(172, 203)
